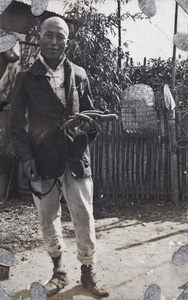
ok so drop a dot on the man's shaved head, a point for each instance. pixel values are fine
(53, 40)
(55, 21)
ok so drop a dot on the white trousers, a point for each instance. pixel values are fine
(78, 193)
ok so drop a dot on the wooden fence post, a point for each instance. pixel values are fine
(186, 171)
(171, 117)
(173, 157)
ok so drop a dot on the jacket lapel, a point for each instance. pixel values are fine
(38, 69)
(72, 104)
(72, 99)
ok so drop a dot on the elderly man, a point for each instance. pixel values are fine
(55, 163)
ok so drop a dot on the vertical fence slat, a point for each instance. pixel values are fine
(123, 169)
(173, 157)
(118, 160)
(133, 168)
(107, 161)
(137, 171)
(127, 164)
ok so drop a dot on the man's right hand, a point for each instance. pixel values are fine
(29, 167)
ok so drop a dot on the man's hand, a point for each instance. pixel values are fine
(30, 170)
(83, 127)
(81, 123)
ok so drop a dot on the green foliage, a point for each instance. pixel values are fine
(156, 73)
(91, 48)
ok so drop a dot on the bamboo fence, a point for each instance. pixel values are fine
(141, 168)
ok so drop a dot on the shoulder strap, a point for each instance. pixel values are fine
(38, 194)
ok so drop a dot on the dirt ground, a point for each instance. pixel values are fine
(136, 242)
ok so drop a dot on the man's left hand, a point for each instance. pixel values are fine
(83, 127)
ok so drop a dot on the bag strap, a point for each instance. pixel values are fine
(38, 194)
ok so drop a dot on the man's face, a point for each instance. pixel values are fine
(53, 40)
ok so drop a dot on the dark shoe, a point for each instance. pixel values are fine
(58, 281)
(90, 282)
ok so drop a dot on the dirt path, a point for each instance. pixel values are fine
(135, 248)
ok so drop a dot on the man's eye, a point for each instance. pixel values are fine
(61, 37)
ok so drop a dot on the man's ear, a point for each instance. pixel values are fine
(38, 37)
(68, 41)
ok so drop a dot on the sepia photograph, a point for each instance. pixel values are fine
(93, 149)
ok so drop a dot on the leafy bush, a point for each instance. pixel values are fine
(91, 48)
(156, 73)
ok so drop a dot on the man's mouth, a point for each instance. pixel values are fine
(53, 49)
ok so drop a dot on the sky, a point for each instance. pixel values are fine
(151, 38)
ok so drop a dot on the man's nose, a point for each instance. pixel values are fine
(54, 40)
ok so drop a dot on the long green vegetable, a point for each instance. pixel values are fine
(90, 116)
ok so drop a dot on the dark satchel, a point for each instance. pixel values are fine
(50, 153)
(79, 156)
